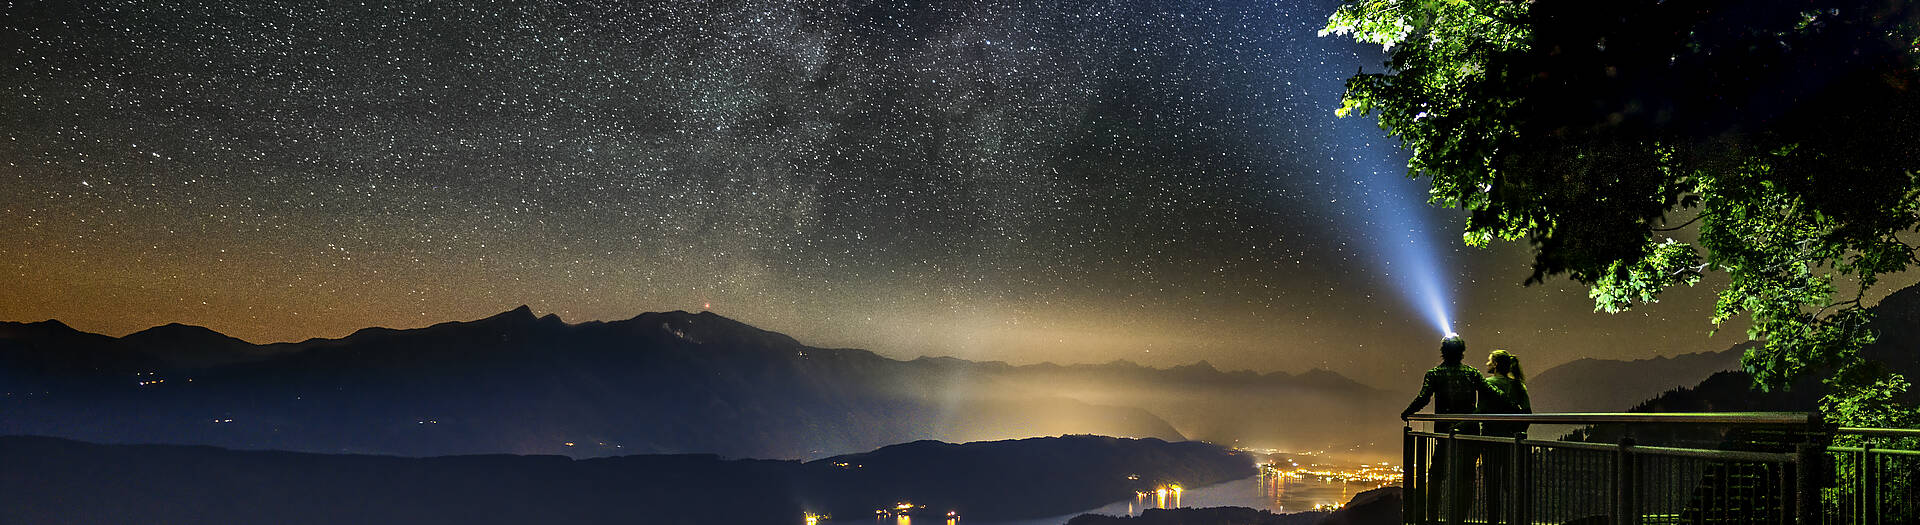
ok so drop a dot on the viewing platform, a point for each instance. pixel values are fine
(1655, 468)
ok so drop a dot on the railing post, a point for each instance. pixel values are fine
(1410, 472)
(1806, 500)
(1624, 476)
(1453, 483)
(1423, 465)
(1810, 471)
(1870, 478)
(1522, 469)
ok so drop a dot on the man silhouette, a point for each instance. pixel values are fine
(1453, 388)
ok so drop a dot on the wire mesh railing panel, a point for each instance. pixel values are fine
(1447, 483)
(1571, 485)
(1896, 487)
(1734, 492)
(1665, 488)
(1482, 480)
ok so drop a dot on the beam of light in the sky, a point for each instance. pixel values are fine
(1394, 227)
(1401, 225)
(1371, 200)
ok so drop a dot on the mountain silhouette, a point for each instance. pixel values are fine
(668, 382)
(37, 359)
(51, 480)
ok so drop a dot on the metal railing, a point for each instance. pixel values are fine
(1761, 467)
(1877, 467)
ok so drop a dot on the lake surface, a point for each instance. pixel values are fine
(1266, 491)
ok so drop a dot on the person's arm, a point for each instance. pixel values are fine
(1487, 387)
(1526, 407)
(1420, 401)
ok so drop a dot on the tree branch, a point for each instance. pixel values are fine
(1696, 218)
(1855, 303)
(1490, 12)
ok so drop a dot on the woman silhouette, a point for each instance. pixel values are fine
(1503, 372)
(1506, 378)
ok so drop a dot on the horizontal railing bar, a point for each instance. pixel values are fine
(1582, 418)
(1734, 455)
(1726, 455)
(1469, 437)
(1576, 445)
(1890, 452)
(1915, 432)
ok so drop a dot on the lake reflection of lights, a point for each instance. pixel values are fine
(1165, 497)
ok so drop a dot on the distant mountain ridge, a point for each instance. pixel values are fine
(1896, 324)
(1612, 385)
(1712, 381)
(667, 382)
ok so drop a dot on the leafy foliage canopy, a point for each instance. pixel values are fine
(1787, 132)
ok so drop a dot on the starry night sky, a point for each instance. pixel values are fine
(1072, 181)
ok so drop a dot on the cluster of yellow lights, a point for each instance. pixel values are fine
(1163, 491)
(147, 382)
(814, 519)
(1381, 475)
(904, 509)
(899, 509)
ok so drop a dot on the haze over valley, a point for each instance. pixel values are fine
(672, 382)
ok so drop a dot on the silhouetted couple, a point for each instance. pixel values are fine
(1456, 388)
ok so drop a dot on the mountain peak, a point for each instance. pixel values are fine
(189, 346)
(1327, 378)
(42, 328)
(178, 331)
(519, 316)
(703, 316)
(706, 327)
(1201, 365)
(523, 313)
